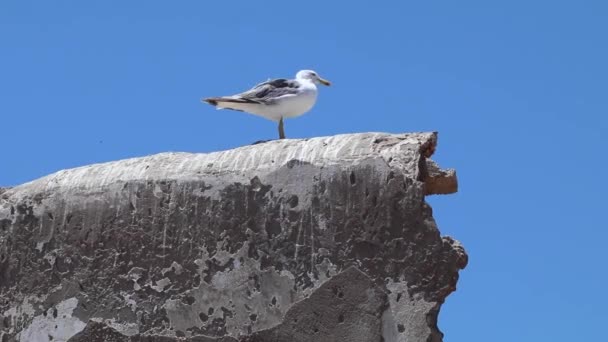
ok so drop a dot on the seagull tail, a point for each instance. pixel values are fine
(211, 100)
(227, 103)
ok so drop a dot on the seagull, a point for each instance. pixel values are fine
(275, 99)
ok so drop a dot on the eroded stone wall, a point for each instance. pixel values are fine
(328, 238)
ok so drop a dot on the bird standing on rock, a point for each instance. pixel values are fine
(275, 99)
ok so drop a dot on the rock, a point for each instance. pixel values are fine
(326, 238)
(439, 181)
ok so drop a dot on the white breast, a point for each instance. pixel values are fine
(296, 105)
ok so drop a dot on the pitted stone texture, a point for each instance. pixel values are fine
(96, 331)
(347, 307)
(225, 245)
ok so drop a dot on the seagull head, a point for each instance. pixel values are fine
(311, 76)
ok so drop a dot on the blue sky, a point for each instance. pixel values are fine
(516, 89)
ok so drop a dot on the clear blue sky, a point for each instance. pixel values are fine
(516, 89)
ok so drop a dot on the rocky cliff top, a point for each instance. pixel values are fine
(395, 151)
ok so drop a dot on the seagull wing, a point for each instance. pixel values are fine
(269, 91)
(265, 93)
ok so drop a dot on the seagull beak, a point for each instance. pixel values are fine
(325, 82)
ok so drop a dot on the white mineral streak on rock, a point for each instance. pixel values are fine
(129, 300)
(56, 326)
(25, 310)
(51, 257)
(161, 284)
(127, 329)
(175, 267)
(135, 274)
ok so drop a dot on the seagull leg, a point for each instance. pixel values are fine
(281, 131)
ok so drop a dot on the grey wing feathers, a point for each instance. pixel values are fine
(267, 92)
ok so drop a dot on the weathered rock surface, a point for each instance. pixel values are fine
(327, 239)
